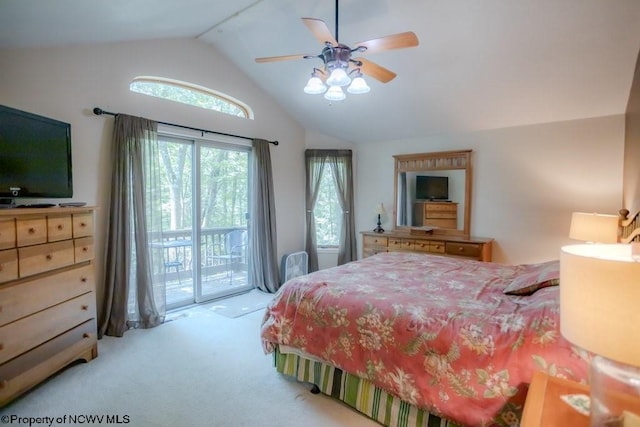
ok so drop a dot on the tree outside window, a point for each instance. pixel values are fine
(327, 211)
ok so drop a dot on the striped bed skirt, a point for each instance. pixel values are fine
(356, 392)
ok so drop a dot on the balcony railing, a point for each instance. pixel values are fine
(173, 255)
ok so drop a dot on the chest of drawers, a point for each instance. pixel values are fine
(471, 248)
(436, 214)
(47, 294)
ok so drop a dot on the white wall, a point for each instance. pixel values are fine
(526, 181)
(66, 83)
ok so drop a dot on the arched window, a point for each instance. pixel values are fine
(191, 94)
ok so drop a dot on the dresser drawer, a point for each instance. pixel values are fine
(24, 334)
(443, 215)
(400, 244)
(41, 258)
(370, 251)
(82, 224)
(18, 300)
(8, 266)
(7, 233)
(440, 207)
(463, 249)
(59, 228)
(31, 231)
(83, 249)
(27, 370)
(421, 245)
(437, 247)
(375, 241)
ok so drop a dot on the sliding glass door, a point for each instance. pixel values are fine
(205, 209)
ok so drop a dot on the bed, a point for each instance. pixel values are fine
(421, 340)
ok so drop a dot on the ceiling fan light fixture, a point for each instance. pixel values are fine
(315, 86)
(335, 93)
(358, 86)
(338, 77)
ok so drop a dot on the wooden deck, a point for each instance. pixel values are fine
(180, 290)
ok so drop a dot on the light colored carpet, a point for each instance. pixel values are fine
(241, 304)
(201, 370)
(232, 307)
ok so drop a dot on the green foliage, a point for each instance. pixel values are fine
(188, 96)
(223, 185)
(327, 211)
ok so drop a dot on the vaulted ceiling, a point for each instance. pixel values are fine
(480, 64)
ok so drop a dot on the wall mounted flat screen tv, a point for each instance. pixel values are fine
(432, 187)
(35, 156)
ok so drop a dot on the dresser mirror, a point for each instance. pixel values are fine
(432, 192)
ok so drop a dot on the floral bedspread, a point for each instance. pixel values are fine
(437, 332)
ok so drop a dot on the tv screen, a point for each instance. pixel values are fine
(432, 187)
(35, 156)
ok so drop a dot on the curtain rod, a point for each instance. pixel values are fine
(99, 111)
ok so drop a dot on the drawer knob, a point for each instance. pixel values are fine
(461, 249)
(1, 267)
(32, 230)
(85, 249)
(49, 257)
(1, 346)
(3, 384)
(86, 335)
(83, 279)
(85, 307)
(60, 227)
(82, 224)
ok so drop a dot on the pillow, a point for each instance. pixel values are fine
(533, 277)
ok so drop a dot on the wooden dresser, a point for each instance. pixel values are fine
(436, 214)
(47, 295)
(470, 248)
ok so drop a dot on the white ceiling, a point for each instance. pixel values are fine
(481, 64)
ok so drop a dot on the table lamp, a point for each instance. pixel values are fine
(600, 312)
(593, 227)
(379, 211)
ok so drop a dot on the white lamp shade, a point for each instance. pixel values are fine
(380, 209)
(335, 93)
(338, 77)
(599, 298)
(592, 227)
(315, 86)
(358, 86)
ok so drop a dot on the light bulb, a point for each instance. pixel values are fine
(358, 86)
(338, 77)
(335, 93)
(315, 86)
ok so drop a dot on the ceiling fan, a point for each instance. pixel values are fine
(340, 65)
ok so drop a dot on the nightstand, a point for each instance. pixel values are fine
(544, 407)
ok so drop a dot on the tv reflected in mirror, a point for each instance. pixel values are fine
(432, 187)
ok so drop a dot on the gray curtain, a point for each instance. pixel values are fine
(340, 164)
(130, 299)
(314, 165)
(262, 235)
(402, 204)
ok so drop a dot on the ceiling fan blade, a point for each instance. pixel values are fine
(394, 41)
(376, 71)
(282, 58)
(320, 30)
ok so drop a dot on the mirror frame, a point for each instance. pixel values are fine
(443, 160)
